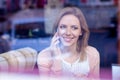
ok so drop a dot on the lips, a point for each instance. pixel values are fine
(67, 39)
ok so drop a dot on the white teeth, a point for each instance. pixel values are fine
(67, 39)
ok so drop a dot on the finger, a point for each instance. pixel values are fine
(55, 41)
(54, 44)
(56, 51)
(55, 38)
(55, 35)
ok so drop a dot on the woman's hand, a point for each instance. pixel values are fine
(56, 55)
(54, 46)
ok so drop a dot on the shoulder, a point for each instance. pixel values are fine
(92, 52)
(44, 56)
(45, 53)
(94, 61)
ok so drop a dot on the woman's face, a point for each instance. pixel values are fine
(69, 30)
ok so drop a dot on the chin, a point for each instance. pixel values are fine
(67, 44)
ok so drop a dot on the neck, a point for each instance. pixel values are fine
(71, 50)
(70, 54)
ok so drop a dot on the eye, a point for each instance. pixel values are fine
(63, 26)
(74, 27)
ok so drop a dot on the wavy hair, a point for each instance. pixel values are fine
(83, 39)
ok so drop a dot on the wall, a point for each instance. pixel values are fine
(98, 16)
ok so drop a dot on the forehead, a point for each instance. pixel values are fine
(69, 19)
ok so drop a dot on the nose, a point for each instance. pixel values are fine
(68, 32)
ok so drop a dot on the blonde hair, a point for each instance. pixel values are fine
(83, 40)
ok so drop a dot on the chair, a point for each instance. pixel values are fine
(115, 72)
(20, 60)
(3, 64)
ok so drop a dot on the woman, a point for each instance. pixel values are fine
(69, 52)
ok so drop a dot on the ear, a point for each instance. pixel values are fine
(80, 34)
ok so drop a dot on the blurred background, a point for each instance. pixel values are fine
(26, 23)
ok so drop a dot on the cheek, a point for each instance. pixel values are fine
(77, 33)
(61, 32)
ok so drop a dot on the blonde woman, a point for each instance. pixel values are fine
(69, 52)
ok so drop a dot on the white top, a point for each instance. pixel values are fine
(76, 67)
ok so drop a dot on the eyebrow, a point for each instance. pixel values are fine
(72, 25)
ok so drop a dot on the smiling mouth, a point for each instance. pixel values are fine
(67, 39)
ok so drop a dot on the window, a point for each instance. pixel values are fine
(90, 2)
(97, 2)
(100, 2)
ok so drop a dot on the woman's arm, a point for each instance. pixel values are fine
(96, 67)
(49, 59)
(94, 61)
(44, 62)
